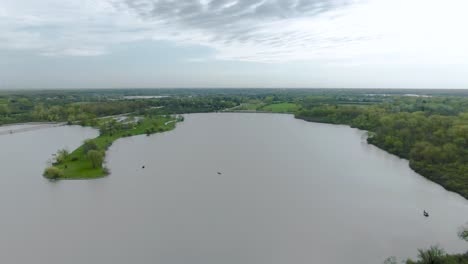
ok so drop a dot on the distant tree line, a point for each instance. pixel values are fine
(29, 109)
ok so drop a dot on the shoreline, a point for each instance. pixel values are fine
(411, 165)
(30, 126)
(78, 165)
(32, 123)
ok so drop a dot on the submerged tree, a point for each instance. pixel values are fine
(463, 232)
(61, 156)
(391, 260)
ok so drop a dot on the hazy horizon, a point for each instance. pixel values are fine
(151, 44)
(229, 88)
(164, 90)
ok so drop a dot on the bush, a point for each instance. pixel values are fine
(433, 255)
(463, 232)
(61, 156)
(53, 173)
(391, 260)
(96, 158)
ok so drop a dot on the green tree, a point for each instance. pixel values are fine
(96, 158)
(268, 99)
(110, 127)
(433, 255)
(4, 110)
(40, 112)
(89, 144)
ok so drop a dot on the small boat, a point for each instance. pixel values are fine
(219, 173)
(143, 166)
(426, 214)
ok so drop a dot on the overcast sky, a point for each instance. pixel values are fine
(233, 43)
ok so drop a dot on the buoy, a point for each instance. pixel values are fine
(143, 166)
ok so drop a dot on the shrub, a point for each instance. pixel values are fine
(463, 232)
(61, 156)
(96, 158)
(433, 255)
(53, 173)
(391, 260)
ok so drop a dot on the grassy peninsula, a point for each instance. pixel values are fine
(86, 162)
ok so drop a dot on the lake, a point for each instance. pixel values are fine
(288, 191)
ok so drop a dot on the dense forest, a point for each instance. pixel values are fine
(432, 133)
(84, 110)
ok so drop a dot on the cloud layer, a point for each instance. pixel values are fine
(344, 32)
(265, 30)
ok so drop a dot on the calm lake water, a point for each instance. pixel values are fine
(289, 192)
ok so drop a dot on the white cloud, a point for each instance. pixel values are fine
(333, 31)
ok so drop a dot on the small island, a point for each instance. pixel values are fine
(86, 162)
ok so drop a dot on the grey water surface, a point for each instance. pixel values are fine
(287, 191)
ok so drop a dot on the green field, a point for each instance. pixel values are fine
(281, 108)
(78, 166)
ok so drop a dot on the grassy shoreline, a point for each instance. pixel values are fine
(78, 165)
